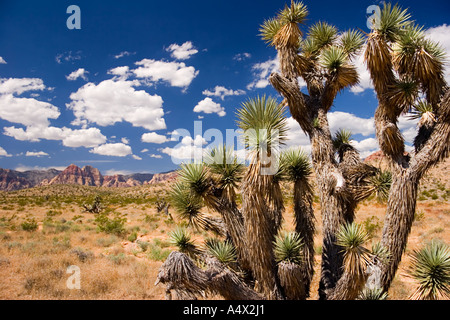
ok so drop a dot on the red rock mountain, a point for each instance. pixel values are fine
(87, 176)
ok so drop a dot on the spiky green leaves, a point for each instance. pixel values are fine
(323, 34)
(393, 19)
(381, 184)
(194, 175)
(431, 269)
(424, 111)
(296, 13)
(269, 29)
(287, 247)
(295, 164)
(342, 136)
(264, 124)
(283, 30)
(351, 42)
(185, 202)
(223, 163)
(181, 238)
(221, 250)
(351, 237)
(373, 294)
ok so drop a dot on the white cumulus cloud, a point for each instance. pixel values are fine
(207, 105)
(79, 73)
(2, 61)
(3, 153)
(177, 74)
(182, 52)
(113, 101)
(153, 137)
(112, 149)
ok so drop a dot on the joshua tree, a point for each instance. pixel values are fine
(324, 60)
(407, 73)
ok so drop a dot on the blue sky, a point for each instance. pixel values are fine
(112, 93)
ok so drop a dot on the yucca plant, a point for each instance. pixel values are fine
(381, 184)
(351, 238)
(181, 238)
(189, 206)
(221, 250)
(296, 167)
(357, 258)
(373, 294)
(264, 125)
(405, 65)
(430, 268)
(224, 165)
(288, 249)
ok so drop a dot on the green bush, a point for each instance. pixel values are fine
(30, 224)
(115, 225)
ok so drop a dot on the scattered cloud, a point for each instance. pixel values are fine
(182, 52)
(153, 137)
(87, 138)
(121, 72)
(80, 73)
(344, 120)
(20, 85)
(36, 154)
(175, 73)
(112, 149)
(440, 34)
(2, 61)
(144, 150)
(26, 111)
(157, 156)
(209, 106)
(135, 157)
(125, 140)
(242, 56)
(23, 168)
(68, 56)
(188, 149)
(113, 101)
(365, 82)
(124, 54)
(261, 72)
(222, 92)
(3, 153)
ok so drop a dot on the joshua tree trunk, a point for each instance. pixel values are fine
(403, 194)
(305, 227)
(330, 183)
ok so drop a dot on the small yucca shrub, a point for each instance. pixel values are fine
(373, 294)
(430, 268)
(221, 250)
(181, 238)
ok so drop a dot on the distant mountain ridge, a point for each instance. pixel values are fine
(11, 180)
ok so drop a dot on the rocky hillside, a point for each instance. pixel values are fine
(87, 176)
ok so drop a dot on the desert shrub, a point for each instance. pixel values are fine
(115, 225)
(132, 237)
(371, 226)
(30, 224)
